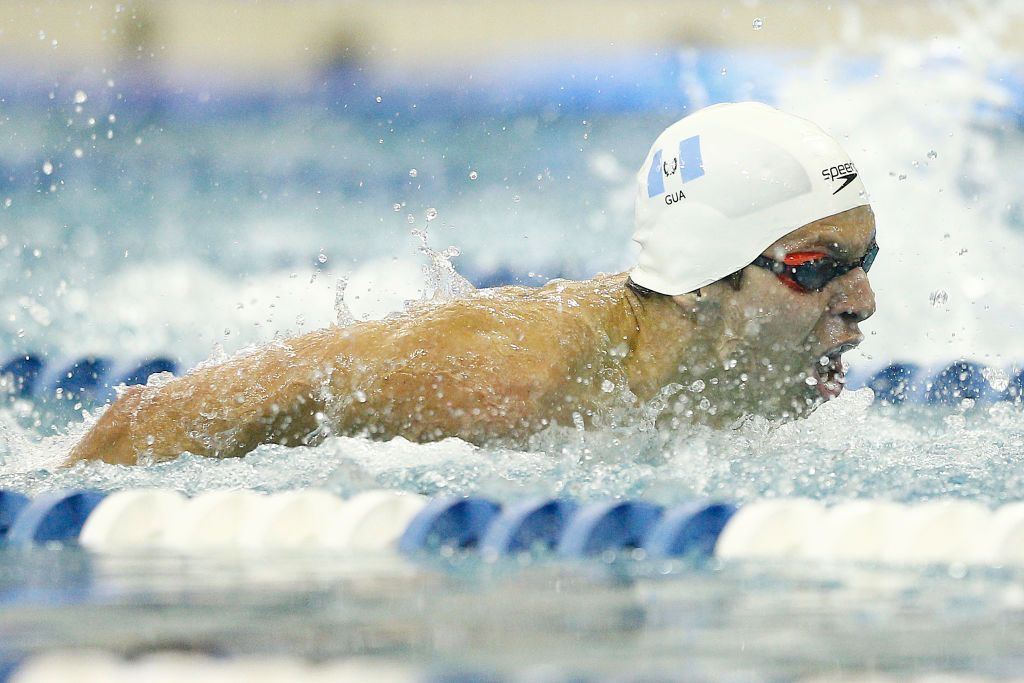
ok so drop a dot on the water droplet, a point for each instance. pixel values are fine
(7, 203)
(360, 395)
(322, 257)
(697, 387)
(300, 320)
(150, 440)
(938, 297)
(725, 71)
(378, 98)
(515, 198)
(997, 378)
(396, 207)
(413, 173)
(80, 97)
(932, 154)
(758, 23)
(811, 381)
(410, 219)
(607, 386)
(901, 176)
(79, 153)
(47, 168)
(112, 118)
(138, 141)
(473, 175)
(431, 213)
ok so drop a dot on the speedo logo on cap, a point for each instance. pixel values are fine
(846, 172)
(686, 165)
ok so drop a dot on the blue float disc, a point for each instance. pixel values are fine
(608, 526)
(456, 522)
(25, 370)
(133, 372)
(57, 516)
(8, 667)
(895, 383)
(531, 523)
(11, 504)
(691, 529)
(77, 379)
(1015, 391)
(959, 380)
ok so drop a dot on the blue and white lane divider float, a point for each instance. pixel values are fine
(88, 379)
(949, 384)
(933, 532)
(91, 379)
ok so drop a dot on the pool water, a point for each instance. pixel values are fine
(196, 230)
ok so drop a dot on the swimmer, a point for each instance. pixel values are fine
(755, 238)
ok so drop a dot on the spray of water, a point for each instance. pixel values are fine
(443, 282)
(932, 132)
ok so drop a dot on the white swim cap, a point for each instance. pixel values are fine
(723, 184)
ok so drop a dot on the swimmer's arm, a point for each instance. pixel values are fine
(222, 411)
(479, 395)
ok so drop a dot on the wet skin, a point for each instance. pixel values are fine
(508, 362)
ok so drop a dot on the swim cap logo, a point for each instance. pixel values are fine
(846, 172)
(688, 164)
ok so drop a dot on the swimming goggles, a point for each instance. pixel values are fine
(808, 271)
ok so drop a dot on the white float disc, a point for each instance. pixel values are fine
(358, 669)
(937, 531)
(774, 528)
(289, 519)
(857, 530)
(372, 521)
(211, 520)
(1003, 542)
(130, 519)
(81, 666)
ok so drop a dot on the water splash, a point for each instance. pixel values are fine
(927, 130)
(342, 313)
(443, 282)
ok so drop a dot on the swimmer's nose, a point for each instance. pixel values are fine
(854, 300)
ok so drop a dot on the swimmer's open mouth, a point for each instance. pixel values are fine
(830, 372)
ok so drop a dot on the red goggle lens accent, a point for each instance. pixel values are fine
(798, 258)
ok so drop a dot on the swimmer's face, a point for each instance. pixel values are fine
(789, 341)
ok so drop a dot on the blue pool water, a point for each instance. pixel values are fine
(191, 225)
